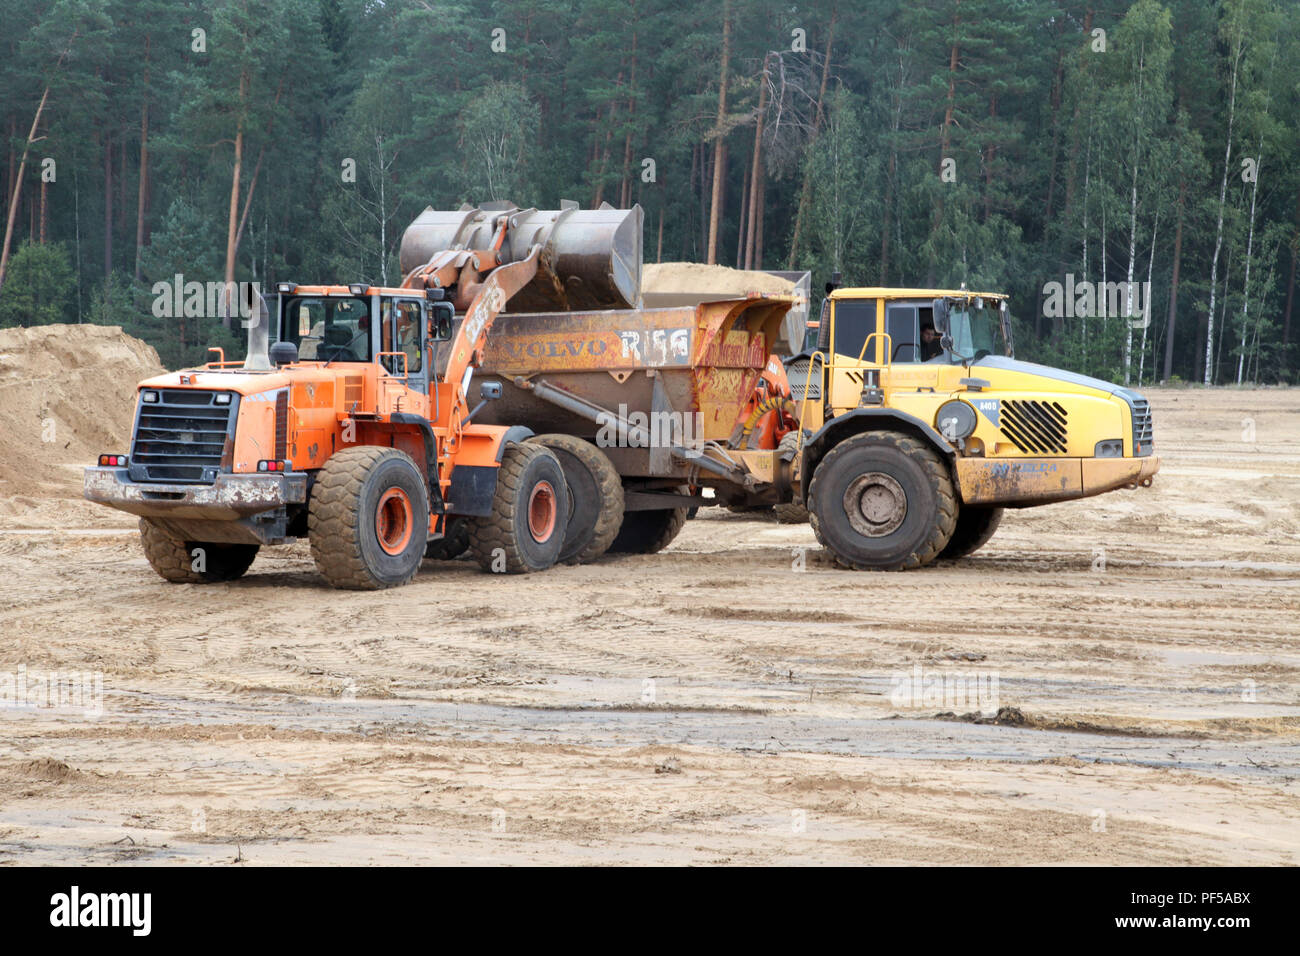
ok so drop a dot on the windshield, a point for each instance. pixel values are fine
(975, 332)
(329, 328)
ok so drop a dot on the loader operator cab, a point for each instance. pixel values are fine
(402, 331)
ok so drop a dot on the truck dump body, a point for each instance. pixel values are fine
(700, 363)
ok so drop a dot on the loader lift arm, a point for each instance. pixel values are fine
(481, 300)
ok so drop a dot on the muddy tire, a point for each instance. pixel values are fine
(793, 511)
(883, 501)
(175, 560)
(649, 532)
(452, 544)
(595, 497)
(974, 528)
(525, 530)
(368, 520)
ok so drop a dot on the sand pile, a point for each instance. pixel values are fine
(696, 277)
(67, 393)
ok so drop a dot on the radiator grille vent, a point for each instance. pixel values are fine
(1034, 427)
(181, 435)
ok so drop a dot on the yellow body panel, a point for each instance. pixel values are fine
(1037, 429)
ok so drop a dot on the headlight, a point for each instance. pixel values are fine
(955, 420)
(149, 397)
(223, 398)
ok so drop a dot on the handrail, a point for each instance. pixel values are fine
(807, 390)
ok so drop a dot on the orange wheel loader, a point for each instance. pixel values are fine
(345, 433)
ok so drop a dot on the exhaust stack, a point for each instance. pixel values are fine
(259, 331)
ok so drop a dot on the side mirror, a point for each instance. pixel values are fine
(941, 315)
(1005, 314)
(443, 313)
(489, 391)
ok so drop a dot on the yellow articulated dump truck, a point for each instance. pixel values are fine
(918, 427)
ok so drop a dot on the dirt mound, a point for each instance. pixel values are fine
(48, 769)
(696, 277)
(67, 393)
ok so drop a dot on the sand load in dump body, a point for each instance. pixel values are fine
(591, 258)
(681, 377)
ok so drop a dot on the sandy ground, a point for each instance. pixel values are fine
(731, 700)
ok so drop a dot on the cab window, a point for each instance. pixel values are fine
(329, 328)
(855, 319)
(402, 321)
(904, 333)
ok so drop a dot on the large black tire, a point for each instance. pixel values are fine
(595, 497)
(530, 510)
(883, 501)
(649, 532)
(368, 520)
(452, 544)
(175, 560)
(974, 528)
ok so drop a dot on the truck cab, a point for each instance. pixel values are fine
(935, 369)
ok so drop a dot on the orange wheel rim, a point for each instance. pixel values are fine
(394, 520)
(541, 511)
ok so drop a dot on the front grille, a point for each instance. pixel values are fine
(797, 374)
(181, 437)
(1035, 427)
(1143, 433)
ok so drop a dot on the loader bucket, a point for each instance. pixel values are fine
(591, 258)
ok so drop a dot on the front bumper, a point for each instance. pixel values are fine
(230, 498)
(1023, 482)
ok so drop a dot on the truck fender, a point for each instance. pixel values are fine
(865, 420)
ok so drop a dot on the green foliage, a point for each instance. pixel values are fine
(998, 143)
(38, 287)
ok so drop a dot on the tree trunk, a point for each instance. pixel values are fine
(1250, 243)
(756, 171)
(1218, 236)
(17, 185)
(805, 191)
(1128, 287)
(1146, 305)
(1058, 83)
(625, 190)
(990, 151)
(945, 135)
(120, 209)
(1173, 285)
(108, 204)
(44, 217)
(715, 207)
(142, 184)
(745, 188)
(760, 210)
(231, 222)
